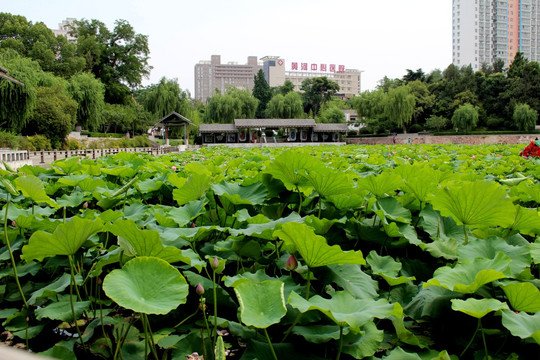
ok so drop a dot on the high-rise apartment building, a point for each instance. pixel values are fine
(212, 75)
(276, 73)
(486, 30)
(65, 27)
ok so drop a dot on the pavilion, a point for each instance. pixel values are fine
(249, 130)
(174, 119)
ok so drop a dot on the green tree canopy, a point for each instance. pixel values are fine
(399, 105)
(331, 115)
(119, 58)
(263, 93)
(524, 117)
(465, 117)
(164, 97)
(316, 92)
(234, 104)
(89, 94)
(287, 106)
(369, 104)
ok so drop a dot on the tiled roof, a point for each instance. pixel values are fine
(173, 119)
(330, 128)
(217, 128)
(274, 123)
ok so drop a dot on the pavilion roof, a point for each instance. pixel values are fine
(172, 120)
(217, 128)
(4, 75)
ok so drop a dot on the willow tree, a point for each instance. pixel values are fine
(465, 117)
(234, 104)
(287, 106)
(89, 93)
(399, 106)
(165, 97)
(17, 99)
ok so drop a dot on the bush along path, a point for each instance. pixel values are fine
(386, 252)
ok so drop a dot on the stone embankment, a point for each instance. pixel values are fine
(454, 139)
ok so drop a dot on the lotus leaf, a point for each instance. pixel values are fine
(32, 187)
(344, 309)
(382, 185)
(314, 249)
(66, 239)
(62, 310)
(469, 276)
(148, 285)
(364, 344)
(478, 308)
(523, 296)
(476, 204)
(290, 167)
(388, 268)
(522, 324)
(237, 194)
(194, 188)
(261, 303)
(353, 280)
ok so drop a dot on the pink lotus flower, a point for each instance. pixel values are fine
(199, 289)
(473, 157)
(215, 263)
(14, 224)
(173, 168)
(425, 157)
(85, 205)
(183, 163)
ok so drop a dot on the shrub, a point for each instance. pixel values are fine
(525, 117)
(352, 133)
(73, 144)
(416, 128)
(38, 142)
(8, 140)
(436, 122)
(494, 122)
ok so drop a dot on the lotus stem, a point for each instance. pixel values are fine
(71, 284)
(149, 338)
(186, 319)
(466, 235)
(6, 238)
(214, 293)
(308, 283)
(300, 199)
(470, 341)
(483, 337)
(340, 342)
(270, 343)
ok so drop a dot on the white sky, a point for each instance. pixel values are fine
(380, 37)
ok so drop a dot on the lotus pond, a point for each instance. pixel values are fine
(380, 252)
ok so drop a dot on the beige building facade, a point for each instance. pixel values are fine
(277, 72)
(213, 75)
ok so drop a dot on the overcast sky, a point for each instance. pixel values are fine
(379, 37)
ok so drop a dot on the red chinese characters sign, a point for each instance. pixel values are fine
(319, 67)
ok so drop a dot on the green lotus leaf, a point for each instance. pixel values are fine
(29, 333)
(66, 239)
(136, 242)
(471, 274)
(185, 214)
(291, 168)
(317, 334)
(62, 310)
(73, 180)
(32, 187)
(352, 200)
(193, 189)
(73, 200)
(388, 268)
(522, 324)
(420, 181)
(382, 185)
(400, 354)
(527, 192)
(329, 182)
(344, 309)
(353, 280)
(489, 248)
(405, 335)
(22, 270)
(147, 285)
(478, 308)
(120, 171)
(261, 303)
(523, 296)
(53, 288)
(392, 209)
(314, 249)
(447, 249)
(322, 226)
(267, 229)
(364, 344)
(535, 252)
(476, 204)
(237, 194)
(441, 227)
(150, 185)
(527, 221)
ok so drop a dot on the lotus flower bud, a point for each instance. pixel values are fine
(215, 263)
(199, 289)
(85, 205)
(291, 263)
(13, 223)
(173, 168)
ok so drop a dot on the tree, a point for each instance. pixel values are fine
(262, 92)
(165, 97)
(411, 75)
(234, 104)
(436, 122)
(284, 89)
(465, 117)
(17, 101)
(119, 58)
(331, 115)
(369, 104)
(316, 92)
(287, 106)
(54, 114)
(516, 68)
(424, 100)
(524, 117)
(89, 94)
(399, 105)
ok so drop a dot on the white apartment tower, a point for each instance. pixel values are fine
(486, 30)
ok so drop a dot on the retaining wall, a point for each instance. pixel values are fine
(455, 139)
